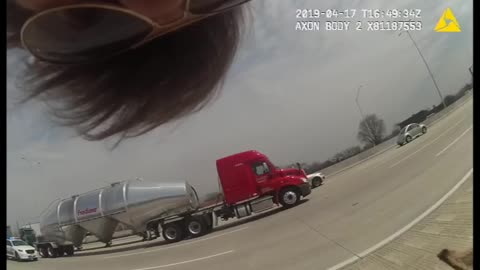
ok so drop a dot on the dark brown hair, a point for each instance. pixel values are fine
(137, 91)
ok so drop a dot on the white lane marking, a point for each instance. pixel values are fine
(344, 263)
(406, 227)
(178, 245)
(456, 140)
(184, 262)
(419, 149)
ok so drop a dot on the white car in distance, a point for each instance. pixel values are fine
(316, 179)
(19, 250)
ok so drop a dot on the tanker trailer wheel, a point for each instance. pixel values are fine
(289, 197)
(69, 250)
(52, 252)
(196, 226)
(172, 232)
(43, 252)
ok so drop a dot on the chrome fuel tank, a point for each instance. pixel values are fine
(133, 203)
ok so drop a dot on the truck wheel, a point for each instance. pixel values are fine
(147, 235)
(52, 252)
(196, 226)
(43, 252)
(289, 197)
(172, 232)
(316, 182)
(69, 250)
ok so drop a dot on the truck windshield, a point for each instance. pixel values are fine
(261, 168)
(19, 243)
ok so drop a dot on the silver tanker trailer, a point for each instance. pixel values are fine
(140, 205)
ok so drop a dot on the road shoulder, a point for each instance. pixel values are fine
(449, 226)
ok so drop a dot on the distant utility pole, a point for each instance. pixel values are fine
(18, 227)
(358, 104)
(426, 65)
(360, 110)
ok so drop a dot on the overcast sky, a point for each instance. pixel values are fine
(290, 94)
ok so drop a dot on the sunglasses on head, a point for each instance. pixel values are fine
(75, 34)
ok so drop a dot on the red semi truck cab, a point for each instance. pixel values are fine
(249, 180)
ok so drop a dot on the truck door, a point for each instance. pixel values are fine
(238, 183)
(263, 176)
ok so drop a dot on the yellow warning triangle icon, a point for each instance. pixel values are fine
(448, 22)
